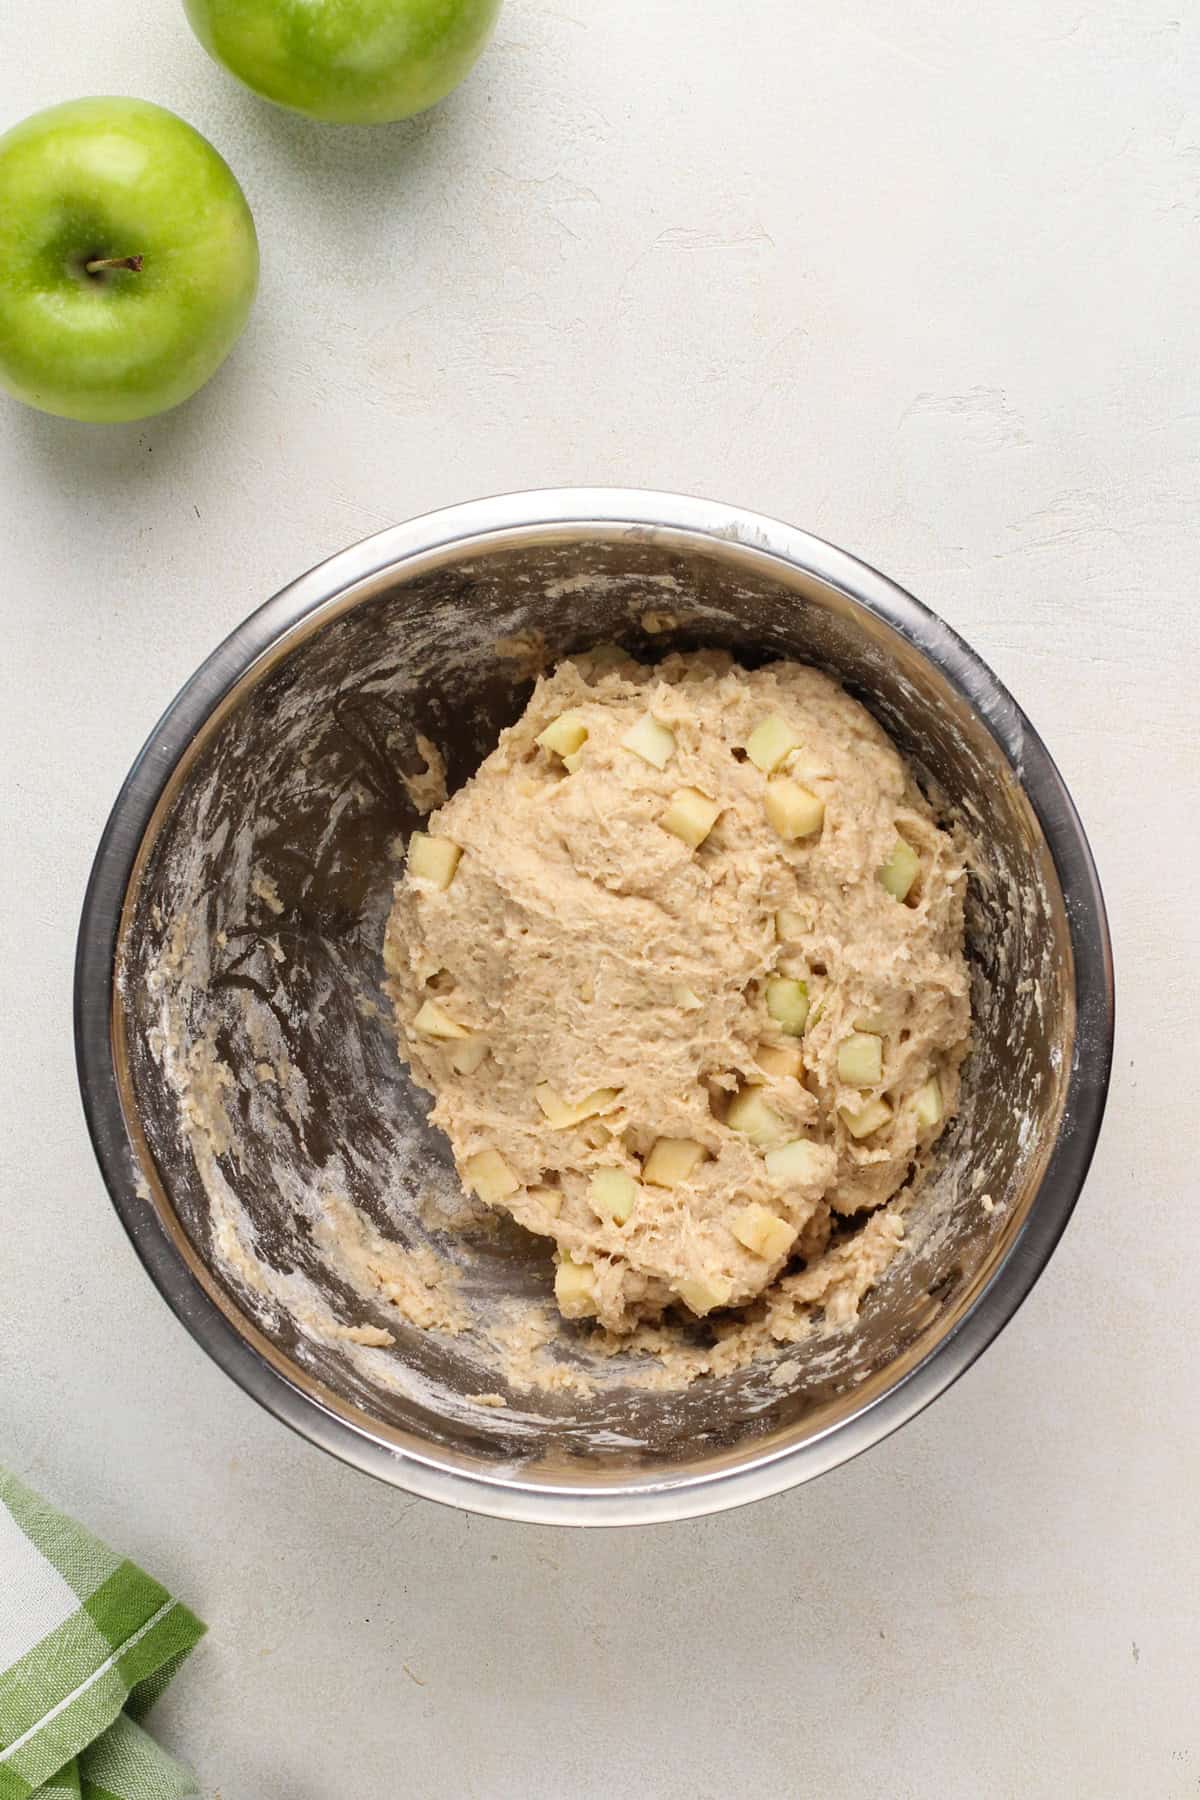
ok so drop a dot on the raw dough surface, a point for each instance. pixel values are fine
(595, 950)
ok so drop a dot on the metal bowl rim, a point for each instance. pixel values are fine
(483, 524)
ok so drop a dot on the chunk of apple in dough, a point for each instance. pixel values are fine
(434, 1021)
(749, 1114)
(685, 998)
(791, 810)
(900, 870)
(469, 1054)
(805, 765)
(798, 1164)
(763, 1231)
(771, 741)
(561, 1115)
(550, 1199)
(780, 1059)
(575, 1289)
(704, 1293)
(573, 763)
(613, 1194)
(490, 1176)
(860, 1059)
(563, 735)
(652, 741)
(790, 926)
(432, 859)
(867, 1119)
(690, 816)
(928, 1105)
(671, 1161)
(787, 1003)
(872, 1022)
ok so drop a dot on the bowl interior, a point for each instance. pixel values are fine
(259, 1075)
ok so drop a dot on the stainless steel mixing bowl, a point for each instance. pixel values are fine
(235, 914)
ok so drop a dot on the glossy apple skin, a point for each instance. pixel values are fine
(354, 62)
(116, 178)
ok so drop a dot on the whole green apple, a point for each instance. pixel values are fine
(357, 62)
(128, 260)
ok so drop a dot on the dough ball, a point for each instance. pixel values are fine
(682, 966)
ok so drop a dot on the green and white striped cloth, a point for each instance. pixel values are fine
(87, 1644)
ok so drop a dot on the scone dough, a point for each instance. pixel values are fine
(599, 960)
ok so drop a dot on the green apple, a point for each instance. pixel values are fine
(356, 62)
(128, 260)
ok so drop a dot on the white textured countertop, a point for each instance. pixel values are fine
(919, 278)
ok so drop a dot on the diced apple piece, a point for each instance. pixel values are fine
(749, 1113)
(434, 1021)
(805, 766)
(554, 1107)
(550, 1199)
(574, 762)
(791, 810)
(860, 1059)
(798, 1164)
(867, 1119)
(685, 999)
(770, 742)
(613, 1194)
(790, 926)
(690, 816)
(705, 1294)
(432, 859)
(563, 735)
(928, 1105)
(490, 1176)
(575, 1289)
(671, 1161)
(763, 1231)
(467, 1058)
(561, 1115)
(653, 742)
(872, 1022)
(900, 870)
(787, 1003)
(780, 1059)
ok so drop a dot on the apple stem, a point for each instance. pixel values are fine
(100, 263)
